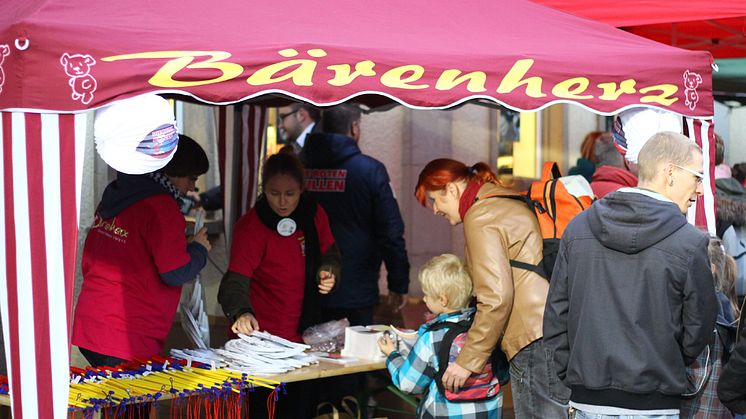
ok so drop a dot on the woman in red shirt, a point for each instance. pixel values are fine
(135, 260)
(283, 261)
(283, 257)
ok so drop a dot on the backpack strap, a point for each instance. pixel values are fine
(533, 206)
(550, 170)
(525, 198)
(537, 269)
(443, 349)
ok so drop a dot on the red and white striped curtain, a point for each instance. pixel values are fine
(703, 213)
(41, 166)
(241, 134)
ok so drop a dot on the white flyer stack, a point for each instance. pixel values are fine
(260, 354)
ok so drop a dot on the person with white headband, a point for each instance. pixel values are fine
(135, 259)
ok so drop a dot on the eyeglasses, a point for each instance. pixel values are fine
(285, 115)
(700, 176)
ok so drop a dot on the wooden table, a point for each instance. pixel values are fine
(329, 369)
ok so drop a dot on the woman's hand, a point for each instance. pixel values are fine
(386, 344)
(455, 377)
(245, 324)
(326, 282)
(201, 238)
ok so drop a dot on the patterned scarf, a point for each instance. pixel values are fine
(161, 179)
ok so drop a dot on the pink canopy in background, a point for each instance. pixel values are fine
(715, 26)
(61, 58)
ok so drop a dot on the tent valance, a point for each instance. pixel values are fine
(422, 54)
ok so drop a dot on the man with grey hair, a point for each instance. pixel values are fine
(631, 300)
(612, 171)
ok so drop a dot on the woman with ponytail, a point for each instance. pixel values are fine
(510, 300)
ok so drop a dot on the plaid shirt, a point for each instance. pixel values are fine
(415, 374)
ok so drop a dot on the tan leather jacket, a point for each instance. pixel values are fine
(510, 301)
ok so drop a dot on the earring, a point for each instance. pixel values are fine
(670, 182)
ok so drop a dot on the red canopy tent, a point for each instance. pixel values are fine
(61, 58)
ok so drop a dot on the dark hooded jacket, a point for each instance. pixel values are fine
(355, 192)
(631, 303)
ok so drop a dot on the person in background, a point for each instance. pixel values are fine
(297, 121)
(729, 192)
(355, 191)
(586, 163)
(611, 171)
(135, 259)
(209, 200)
(631, 300)
(447, 288)
(709, 364)
(731, 388)
(730, 215)
(722, 170)
(510, 300)
(739, 172)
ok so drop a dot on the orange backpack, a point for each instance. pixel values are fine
(555, 200)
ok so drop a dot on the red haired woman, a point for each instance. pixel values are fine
(510, 301)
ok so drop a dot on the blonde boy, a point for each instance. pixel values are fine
(447, 288)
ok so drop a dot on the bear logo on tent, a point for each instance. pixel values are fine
(691, 81)
(78, 67)
(4, 52)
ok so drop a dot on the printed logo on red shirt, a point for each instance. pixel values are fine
(110, 229)
(326, 180)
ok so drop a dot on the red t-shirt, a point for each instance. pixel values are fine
(277, 268)
(125, 309)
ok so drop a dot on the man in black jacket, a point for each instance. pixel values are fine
(632, 300)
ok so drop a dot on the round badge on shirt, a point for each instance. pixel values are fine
(286, 227)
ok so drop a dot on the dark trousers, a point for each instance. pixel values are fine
(100, 360)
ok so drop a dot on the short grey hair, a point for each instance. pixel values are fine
(664, 148)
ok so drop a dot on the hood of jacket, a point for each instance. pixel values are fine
(731, 201)
(615, 175)
(125, 191)
(329, 150)
(631, 222)
(731, 187)
(731, 211)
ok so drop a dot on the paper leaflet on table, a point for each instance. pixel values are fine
(194, 318)
(259, 353)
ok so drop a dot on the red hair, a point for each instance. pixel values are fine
(440, 172)
(587, 148)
